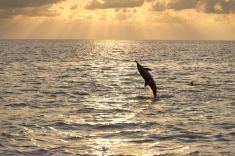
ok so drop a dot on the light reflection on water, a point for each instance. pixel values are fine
(86, 98)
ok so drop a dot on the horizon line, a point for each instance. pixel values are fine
(117, 39)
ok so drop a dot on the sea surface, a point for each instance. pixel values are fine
(86, 97)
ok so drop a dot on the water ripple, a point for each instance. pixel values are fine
(80, 97)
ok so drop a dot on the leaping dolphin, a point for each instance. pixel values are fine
(147, 78)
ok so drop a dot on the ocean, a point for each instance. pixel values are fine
(86, 97)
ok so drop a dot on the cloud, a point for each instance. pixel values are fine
(25, 3)
(175, 5)
(125, 14)
(38, 11)
(11, 8)
(218, 6)
(106, 4)
(74, 7)
(206, 6)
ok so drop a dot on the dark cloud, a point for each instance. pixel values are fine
(11, 8)
(38, 11)
(175, 5)
(106, 4)
(184, 4)
(218, 6)
(207, 6)
(25, 3)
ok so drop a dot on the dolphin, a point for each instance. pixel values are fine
(144, 72)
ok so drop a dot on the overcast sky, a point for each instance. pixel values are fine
(118, 19)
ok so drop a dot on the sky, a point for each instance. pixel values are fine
(118, 19)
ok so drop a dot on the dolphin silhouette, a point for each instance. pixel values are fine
(147, 78)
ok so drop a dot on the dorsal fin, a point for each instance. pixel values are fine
(148, 69)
